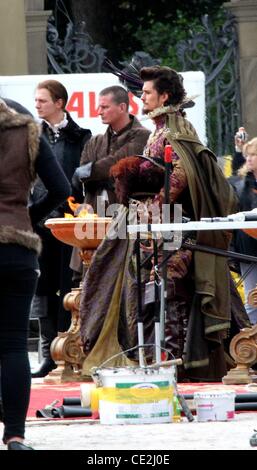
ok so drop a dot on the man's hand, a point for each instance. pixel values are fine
(81, 174)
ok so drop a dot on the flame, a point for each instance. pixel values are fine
(73, 206)
(79, 210)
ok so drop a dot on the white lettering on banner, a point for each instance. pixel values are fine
(84, 89)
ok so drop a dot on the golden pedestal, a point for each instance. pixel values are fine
(66, 349)
(243, 349)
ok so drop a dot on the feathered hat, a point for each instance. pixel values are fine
(129, 76)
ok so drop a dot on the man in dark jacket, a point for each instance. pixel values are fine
(67, 140)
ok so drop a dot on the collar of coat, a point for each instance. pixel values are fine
(72, 130)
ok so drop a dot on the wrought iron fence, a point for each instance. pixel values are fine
(75, 53)
(215, 52)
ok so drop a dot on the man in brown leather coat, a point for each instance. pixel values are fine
(125, 136)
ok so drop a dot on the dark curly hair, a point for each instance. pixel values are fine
(166, 80)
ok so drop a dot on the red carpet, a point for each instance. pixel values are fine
(44, 394)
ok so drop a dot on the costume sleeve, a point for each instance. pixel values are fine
(57, 185)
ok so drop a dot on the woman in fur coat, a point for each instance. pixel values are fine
(23, 154)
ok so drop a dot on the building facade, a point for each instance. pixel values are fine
(23, 37)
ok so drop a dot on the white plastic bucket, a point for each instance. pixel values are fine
(215, 405)
(136, 395)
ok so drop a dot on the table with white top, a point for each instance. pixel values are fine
(192, 226)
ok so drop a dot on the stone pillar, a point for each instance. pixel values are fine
(13, 57)
(34, 5)
(245, 12)
(36, 24)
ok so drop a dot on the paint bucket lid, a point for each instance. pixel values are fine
(122, 371)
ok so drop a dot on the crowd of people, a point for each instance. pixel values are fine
(125, 165)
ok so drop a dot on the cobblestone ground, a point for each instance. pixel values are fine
(93, 436)
(232, 435)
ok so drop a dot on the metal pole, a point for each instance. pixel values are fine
(140, 326)
(163, 314)
(156, 306)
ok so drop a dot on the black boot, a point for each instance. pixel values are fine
(47, 334)
(45, 367)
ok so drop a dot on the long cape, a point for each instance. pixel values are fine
(210, 316)
(211, 196)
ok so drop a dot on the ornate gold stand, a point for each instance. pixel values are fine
(243, 349)
(66, 348)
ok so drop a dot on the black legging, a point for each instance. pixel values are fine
(18, 279)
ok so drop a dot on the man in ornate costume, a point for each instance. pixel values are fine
(199, 303)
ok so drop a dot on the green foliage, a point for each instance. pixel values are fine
(161, 38)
